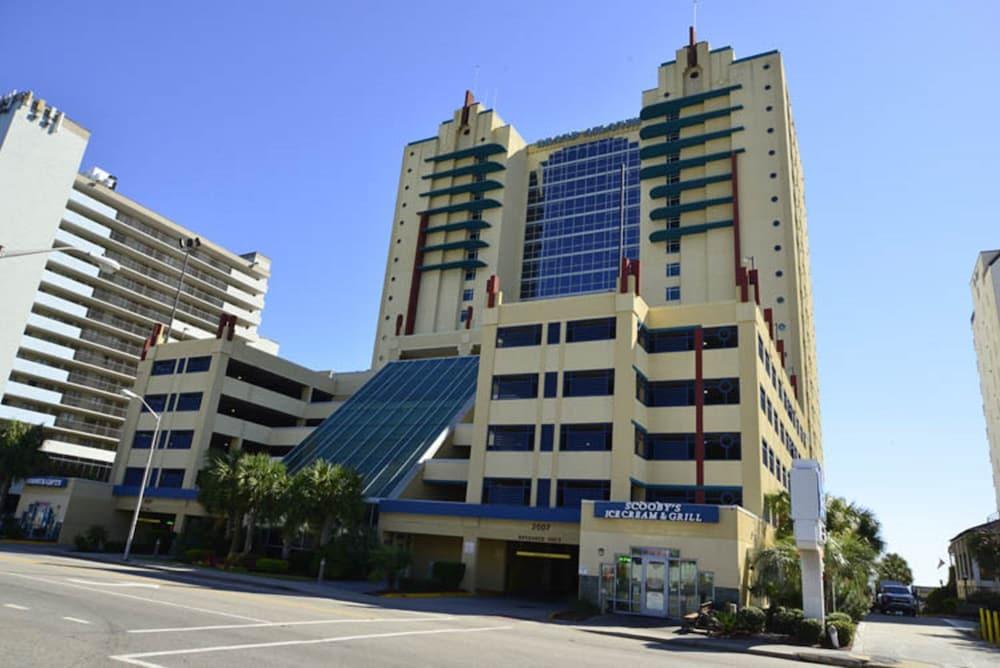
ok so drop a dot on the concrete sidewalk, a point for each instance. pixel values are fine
(668, 636)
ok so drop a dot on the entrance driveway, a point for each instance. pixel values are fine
(923, 641)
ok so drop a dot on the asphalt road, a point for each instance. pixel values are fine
(923, 641)
(61, 611)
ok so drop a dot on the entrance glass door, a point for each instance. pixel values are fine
(654, 588)
(683, 589)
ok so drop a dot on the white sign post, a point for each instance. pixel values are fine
(808, 516)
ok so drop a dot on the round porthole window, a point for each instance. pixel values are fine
(782, 327)
(781, 300)
(777, 247)
(779, 273)
(776, 223)
(773, 199)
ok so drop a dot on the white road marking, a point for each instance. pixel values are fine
(341, 620)
(140, 585)
(76, 619)
(136, 659)
(135, 598)
(14, 606)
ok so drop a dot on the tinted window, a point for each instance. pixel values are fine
(173, 478)
(551, 384)
(722, 391)
(163, 367)
(720, 337)
(569, 493)
(188, 401)
(516, 386)
(554, 333)
(590, 330)
(142, 440)
(548, 432)
(507, 491)
(513, 337)
(197, 364)
(666, 341)
(180, 440)
(543, 492)
(597, 383)
(511, 437)
(585, 437)
(664, 392)
(133, 476)
(156, 401)
(723, 446)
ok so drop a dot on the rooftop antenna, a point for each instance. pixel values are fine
(694, 13)
(475, 77)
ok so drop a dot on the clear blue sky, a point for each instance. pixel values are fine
(279, 127)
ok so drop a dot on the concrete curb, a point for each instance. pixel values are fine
(805, 655)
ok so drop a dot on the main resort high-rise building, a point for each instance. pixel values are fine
(986, 338)
(595, 353)
(75, 322)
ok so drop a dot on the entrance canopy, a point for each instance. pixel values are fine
(397, 418)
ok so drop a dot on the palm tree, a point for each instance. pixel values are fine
(778, 573)
(894, 567)
(19, 454)
(335, 495)
(220, 492)
(261, 482)
(848, 565)
(295, 505)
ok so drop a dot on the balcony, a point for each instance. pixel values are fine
(441, 471)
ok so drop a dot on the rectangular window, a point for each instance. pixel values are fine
(511, 438)
(515, 386)
(596, 383)
(569, 493)
(555, 332)
(667, 340)
(665, 392)
(724, 496)
(715, 338)
(515, 337)
(180, 439)
(673, 494)
(188, 401)
(133, 476)
(467, 295)
(723, 446)
(158, 402)
(673, 294)
(543, 493)
(198, 364)
(585, 437)
(463, 316)
(507, 491)
(722, 391)
(163, 367)
(172, 478)
(143, 439)
(548, 432)
(551, 384)
(599, 329)
(673, 269)
(670, 447)
(673, 246)
(470, 274)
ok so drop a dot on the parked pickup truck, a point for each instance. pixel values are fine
(895, 597)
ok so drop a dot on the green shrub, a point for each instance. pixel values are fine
(726, 623)
(839, 616)
(750, 620)
(448, 574)
(97, 536)
(82, 544)
(300, 562)
(809, 631)
(11, 529)
(786, 621)
(271, 566)
(857, 604)
(197, 554)
(985, 599)
(114, 546)
(845, 630)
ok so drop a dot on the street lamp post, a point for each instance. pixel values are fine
(145, 476)
(101, 261)
(189, 245)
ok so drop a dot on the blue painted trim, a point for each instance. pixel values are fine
(660, 129)
(467, 244)
(721, 48)
(458, 264)
(155, 492)
(663, 108)
(421, 141)
(481, 510)
(655, 171)
(478, 168)
(759, 55)
(677, 232)
(660, 192)
(474, 187)
(657, 150)
(664, 212)
(460, 225)
(480, 150)
(471, 205)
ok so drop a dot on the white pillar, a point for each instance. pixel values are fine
(812, 584)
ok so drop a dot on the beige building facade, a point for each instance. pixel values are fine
(985, 286)
(616, 331)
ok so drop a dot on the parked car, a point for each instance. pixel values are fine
(895, 597)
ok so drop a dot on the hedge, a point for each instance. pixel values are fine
(809, 631)
(271, 565)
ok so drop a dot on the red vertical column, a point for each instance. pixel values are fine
(418, 259)
(699, 415)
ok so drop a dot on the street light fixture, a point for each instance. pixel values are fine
(145, 476)
(103, 262)
(188, 245)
